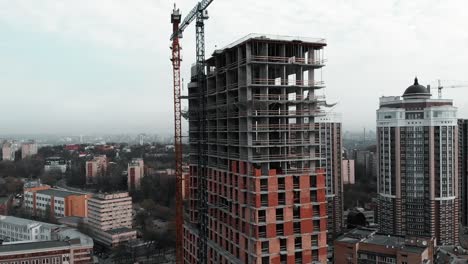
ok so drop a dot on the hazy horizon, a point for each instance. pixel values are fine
(103, 66)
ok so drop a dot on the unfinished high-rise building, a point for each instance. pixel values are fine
(253, 137)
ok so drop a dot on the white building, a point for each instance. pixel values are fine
(32, 242)
(19, 229)
(55, 164)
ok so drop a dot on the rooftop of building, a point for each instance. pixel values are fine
(417, 90)
(451, 255)
(67, 233)
(370, 236)
(22, 221)
(274, 38)
(32, 184)
(120, 230)
(59, 193)
(62, 233)
(54, 158)
(4, 199)
(30, 246)
(110, 196)
(71, 220)
(415, 93)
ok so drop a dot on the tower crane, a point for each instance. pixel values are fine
(440, 87)
(198, 13)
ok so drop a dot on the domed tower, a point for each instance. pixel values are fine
(417, 144)
(417, 91)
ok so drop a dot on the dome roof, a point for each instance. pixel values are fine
(416, 90)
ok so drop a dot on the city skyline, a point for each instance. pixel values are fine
(104, 67)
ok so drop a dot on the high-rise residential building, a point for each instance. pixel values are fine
(417, 146)
(28, 149)
(347, 171)
(8, 151)
(253, 139)
(48, 202)
(135, 172)
(110, 218)
(463, 169)
(364, 245)
(96, 168)
(328, 127)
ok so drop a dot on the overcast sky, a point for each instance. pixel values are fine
(87, 66)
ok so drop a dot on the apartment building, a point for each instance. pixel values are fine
(417, 146)
(28, 149)
(97, 167)
(463, 169)
(256, 190)
(328, 127)
(44, 200)
(135, 172)
(110, 218)
(7, 151)
(348, 171)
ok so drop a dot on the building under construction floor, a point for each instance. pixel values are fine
(253, 137)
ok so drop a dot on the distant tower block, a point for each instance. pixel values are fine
(141, 139)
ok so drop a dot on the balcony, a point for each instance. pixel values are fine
(282, 127)
(285, 97)
(287, 82)
(288, 60)
(287, 156)
(280, 112)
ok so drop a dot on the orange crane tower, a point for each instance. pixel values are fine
(199, 13)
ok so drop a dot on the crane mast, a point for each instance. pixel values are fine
(440, 87)
(176, 59)
(199, 13)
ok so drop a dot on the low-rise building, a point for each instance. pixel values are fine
(20, 229)
(136, 171)
(364, 245)
(56, 164)
(95, 168)
(65, 252)
(110, 218)
(31, 242)
(44, 200)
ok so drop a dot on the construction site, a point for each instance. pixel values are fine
(265, 157)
